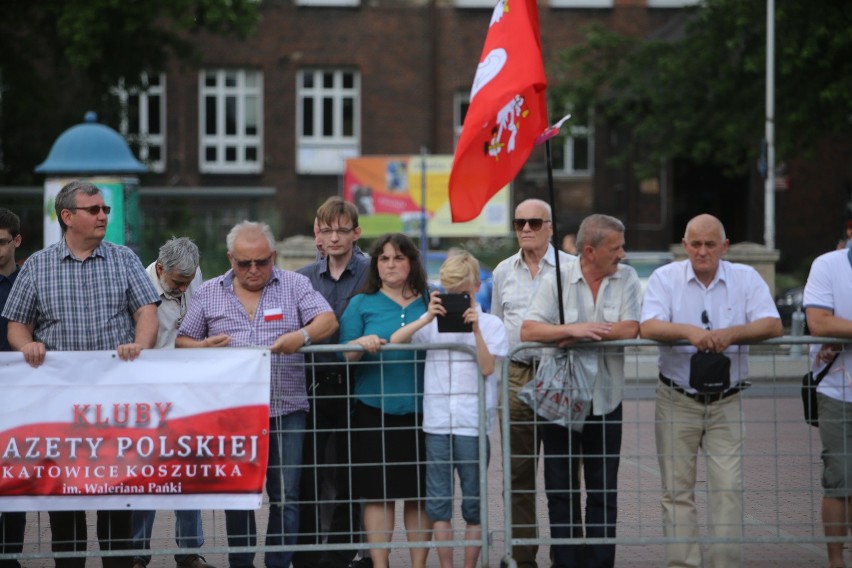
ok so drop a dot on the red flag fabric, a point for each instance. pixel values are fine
(507, 111)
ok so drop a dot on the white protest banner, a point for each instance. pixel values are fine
(174, 429)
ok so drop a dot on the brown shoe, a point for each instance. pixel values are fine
(194, 561)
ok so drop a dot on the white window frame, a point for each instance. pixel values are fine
(241, 142)
(140, 139)
(581, 3)
(328, 3)
(672, 3)
(460, 100)
(320, 153)
(475, 3)
(569, 169)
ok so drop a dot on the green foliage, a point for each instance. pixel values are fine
(696, 89)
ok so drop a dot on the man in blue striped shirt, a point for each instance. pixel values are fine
(83, 294)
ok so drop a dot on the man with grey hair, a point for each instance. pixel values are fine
(601, 300)
(256, 303)
(516, 281)
(59, 303)
(176, 276)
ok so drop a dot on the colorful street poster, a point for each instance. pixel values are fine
(388, 192)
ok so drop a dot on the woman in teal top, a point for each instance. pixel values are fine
(387, 440)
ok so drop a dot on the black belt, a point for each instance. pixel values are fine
(705, 398)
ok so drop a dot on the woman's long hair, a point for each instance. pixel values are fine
(416, 277)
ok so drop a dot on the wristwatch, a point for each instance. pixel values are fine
(306, 335)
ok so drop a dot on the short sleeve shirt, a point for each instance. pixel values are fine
(288, 303)
(618, 300)
(736, 296)
(829, 287)
(81, 305)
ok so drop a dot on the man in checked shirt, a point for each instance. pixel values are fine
(256, 303)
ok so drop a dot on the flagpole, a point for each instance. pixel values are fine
(554, 237)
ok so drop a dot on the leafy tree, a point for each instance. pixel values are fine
(695, 89)
(59, 58)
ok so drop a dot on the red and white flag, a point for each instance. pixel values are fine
(508, 109)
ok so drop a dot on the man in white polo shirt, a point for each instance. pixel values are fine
(714, 305)
(828, 305)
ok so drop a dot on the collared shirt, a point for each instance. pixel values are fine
(6, 283)
(172, 310)
(617, 300)
(215, 309)
(337, 293)
(736, 296)
(81, 305)
(829, 288)
(515, 288)
(452, 378)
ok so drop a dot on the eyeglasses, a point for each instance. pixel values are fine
(535, 224)
(258, 263)
(343, 232)
(6, 242)
(93, 209)
(705, 319)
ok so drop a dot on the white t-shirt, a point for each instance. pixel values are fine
(736, 296)
(830, 287)
(452, 378)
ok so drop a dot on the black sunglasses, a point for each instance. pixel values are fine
(535, 224)
(93, 209)
(705, 319)
(258, 263)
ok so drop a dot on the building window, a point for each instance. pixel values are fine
(334, 3)
(142, 119)
(475, 3)
(461, 102)
(573, 152)
(672, 3)
(581, 3)
(328, 120)
(231, 120)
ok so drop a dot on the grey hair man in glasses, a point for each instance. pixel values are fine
(176, 276)
(255, 303)
(714, 305)
(83, 294)
(516, 282)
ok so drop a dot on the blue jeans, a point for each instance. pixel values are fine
(598, 446)
(188, 532)
(445, 452)
(283, 471)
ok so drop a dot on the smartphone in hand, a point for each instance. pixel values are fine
(455, 304)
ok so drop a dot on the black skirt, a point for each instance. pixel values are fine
(388, 455)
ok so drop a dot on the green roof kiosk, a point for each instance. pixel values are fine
(98, 154)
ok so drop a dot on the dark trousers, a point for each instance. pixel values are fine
(598, 447)
(12, 527)
(69, 534)
(329, 426)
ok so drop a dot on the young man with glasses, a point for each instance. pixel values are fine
(714, 305)
(255, 303)
(57, 304)
(338, 276)
(516, 281)
(12, 525)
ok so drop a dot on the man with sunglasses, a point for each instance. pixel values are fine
(257, 304)
(716, 306)
(12, 524)
(60, 303)
(338, 276)
(601, 300)
(516, 282)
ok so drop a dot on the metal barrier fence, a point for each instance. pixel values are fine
(780, 482)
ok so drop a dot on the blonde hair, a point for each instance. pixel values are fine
(459, 269)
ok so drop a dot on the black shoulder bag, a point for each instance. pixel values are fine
(809, 392)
